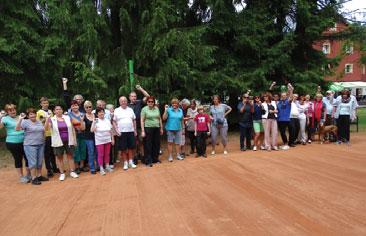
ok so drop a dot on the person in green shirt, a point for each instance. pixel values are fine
(151, 129)
(14, 141)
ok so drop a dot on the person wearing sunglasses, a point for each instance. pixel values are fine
(89, 136)
(246, 110)
(151, 129)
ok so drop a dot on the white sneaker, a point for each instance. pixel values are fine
(170, 158)
(118, 161)
(285, 147)
(74, 175)
(254, 148)
(132, 165)
(62, 177)
(111, 166)
(102, 172)
(225, 152)
(275, 148)
(213, 153)
(179, 157)
(109, 169)
(125, 166)
(263, 147)
(24, 180)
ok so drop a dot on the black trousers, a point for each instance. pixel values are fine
(114, 152)
(151, 145)
(245, 134)
(293, 130)
(49, 156)
(201, 142)
(282, 125)
(343, 124)
(192, 140)
(17, 151)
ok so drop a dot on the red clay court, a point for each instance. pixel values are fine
(317, 190)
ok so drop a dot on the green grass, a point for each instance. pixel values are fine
(361, 113)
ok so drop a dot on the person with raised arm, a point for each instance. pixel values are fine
(67, 98)
(33, 144)
(283, 115)
(136, 105)
(14, 141)
(63, 140)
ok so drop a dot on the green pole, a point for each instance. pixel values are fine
(130, 68)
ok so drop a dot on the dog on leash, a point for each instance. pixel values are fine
(323, 130)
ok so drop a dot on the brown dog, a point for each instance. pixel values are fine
(323, 130)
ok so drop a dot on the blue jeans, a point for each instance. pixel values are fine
(35, 154)
(91, 153)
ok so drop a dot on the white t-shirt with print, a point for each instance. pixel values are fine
(124, 119)
(103, 131)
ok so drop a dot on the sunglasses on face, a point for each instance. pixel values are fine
(150, 101)
(88, 107)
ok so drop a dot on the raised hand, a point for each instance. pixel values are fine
(64, 80)
(22, 115)
(138, 87)
(166, 107)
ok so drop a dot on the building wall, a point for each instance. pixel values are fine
(337, 49)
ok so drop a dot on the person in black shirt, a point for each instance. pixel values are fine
(136, 105)
(246, 110)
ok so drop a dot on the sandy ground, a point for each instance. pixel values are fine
(308, 190)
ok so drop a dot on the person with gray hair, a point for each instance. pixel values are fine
(184, 104)
(67, 98)
(102, 104)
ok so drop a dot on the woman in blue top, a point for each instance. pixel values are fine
(343, 116)
(174, 127)
(14, 141)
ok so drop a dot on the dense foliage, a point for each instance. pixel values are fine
(180, 48)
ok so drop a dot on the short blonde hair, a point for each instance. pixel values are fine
(174, 100)
(88, 103)
(9, 107)
(200, 107)
(319, 95)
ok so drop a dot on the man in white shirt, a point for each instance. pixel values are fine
(124, 122)
(101, 104)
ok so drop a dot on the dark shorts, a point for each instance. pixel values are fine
(126, 141)
(59, 151)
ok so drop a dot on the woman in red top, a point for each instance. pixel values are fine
(202, 128)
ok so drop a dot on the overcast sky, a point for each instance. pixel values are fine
(359, 5)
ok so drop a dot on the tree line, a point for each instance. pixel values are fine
(182, 48)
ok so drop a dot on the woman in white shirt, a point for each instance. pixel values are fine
(303, 119)
(104, 138)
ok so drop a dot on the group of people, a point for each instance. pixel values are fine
(298, 116)
(94, 140)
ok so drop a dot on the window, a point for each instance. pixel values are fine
(348, 68)
(326, 48)
(349, 48)
(334, 28)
